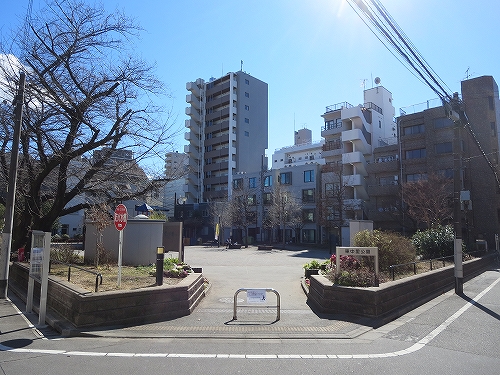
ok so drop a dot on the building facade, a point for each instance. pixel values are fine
(228, 133)
(426, 146)
(351, 136)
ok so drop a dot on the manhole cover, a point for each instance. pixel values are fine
(230, 300)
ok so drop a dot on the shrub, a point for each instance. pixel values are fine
(435, 242)
(351, 272)
(393, 248)
(312, 265)
(65, 254)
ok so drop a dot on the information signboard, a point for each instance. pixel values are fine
(256, 296)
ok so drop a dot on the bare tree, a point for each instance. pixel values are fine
(219, 212)
(85, 92)
(284, 211)
(243, 209)
(100, 216)
(428, 200)
(331, 200)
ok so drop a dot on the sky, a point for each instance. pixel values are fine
(312, 54)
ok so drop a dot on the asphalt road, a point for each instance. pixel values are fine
(449, 335)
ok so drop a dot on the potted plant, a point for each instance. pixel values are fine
(312, 268)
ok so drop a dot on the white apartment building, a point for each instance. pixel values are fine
(303, 151)
(351, 134)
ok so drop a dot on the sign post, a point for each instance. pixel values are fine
(39, 271)
(121, 215)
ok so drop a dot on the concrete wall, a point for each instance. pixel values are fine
(124, 307)
(141, 237)
(391, 299)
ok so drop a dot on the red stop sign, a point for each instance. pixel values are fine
(120, 217)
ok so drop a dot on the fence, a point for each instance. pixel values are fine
(426, 265)
(98, 276)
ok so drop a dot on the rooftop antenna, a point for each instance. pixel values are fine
(241, 65)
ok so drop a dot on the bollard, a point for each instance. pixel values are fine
(159, 265)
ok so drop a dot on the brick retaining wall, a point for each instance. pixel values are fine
(124, 307)
(391, 299)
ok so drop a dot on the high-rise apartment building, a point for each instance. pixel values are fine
(228, 133)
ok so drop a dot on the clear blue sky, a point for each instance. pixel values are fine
(311, 53)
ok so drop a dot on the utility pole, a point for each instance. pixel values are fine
(11, 189)
(453, 112)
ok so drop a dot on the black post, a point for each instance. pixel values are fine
(160, 254)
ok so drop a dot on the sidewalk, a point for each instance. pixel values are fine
(227, 271)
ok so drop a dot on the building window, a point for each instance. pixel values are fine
(252, 182)
(308, 215)
(252, 200)
(332, 214)
(444, 148)
(309, 176)
(247, 82)
(247, 120)
(308, 235)
(237, 184)
(416, 154)
(267, 198)
(333, 124)
(286, 178)
(491, 103)
(414, 129)
(308, 195)
(247, 95)
(388, 180)
(247, 107)
(268, 181)
(247, 134)
(445, 173)
(493, 129)
(442, 122)
(332, 188)
(416, 177)
(208, 161)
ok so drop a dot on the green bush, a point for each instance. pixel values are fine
(393, 248)
(435, 242)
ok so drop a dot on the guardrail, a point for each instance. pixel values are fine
(98, 276)
(257, 290)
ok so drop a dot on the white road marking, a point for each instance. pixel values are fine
(415, 347)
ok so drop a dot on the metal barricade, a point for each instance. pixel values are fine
(257, 291)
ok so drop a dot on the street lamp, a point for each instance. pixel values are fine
(182, 201)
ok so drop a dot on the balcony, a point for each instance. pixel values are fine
(192, 138)
(353, 204)
(193, 126)
(194, 87)
(190, 189)
(192, 150)
(337, 107)
(193, 178)
(194, 101)
(193, 113)
(357, 182)
(357, 138)
(357, 160)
